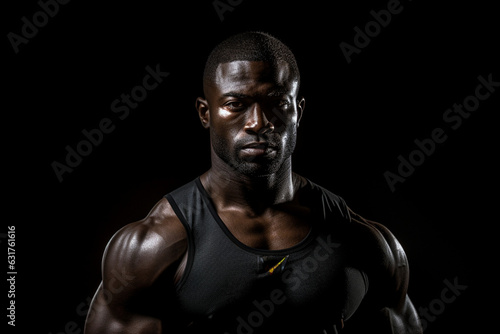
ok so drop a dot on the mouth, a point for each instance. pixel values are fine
(258, 149)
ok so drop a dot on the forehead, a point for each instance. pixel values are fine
(256, 77)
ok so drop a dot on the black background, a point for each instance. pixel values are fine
(359, 118)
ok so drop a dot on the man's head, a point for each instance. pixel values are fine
(251, 105)
(249, 46)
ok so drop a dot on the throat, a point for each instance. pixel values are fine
(263, 213)
(254, 196)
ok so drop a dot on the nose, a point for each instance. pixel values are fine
(257, 122)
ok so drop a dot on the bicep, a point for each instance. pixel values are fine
(116, 307)
(386, 309)
(136, 259)
(400, 320)
(107, 315)
(397, 314)
(374, 318)
(387, 306)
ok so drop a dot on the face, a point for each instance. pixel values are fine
(252, 111)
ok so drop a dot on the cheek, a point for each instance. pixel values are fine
(284, 120)
(222, 113)
(289, 134)
(225, 119)
(287, 128)
(224, 126)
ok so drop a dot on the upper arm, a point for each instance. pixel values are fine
(134, 259)
(388, 305)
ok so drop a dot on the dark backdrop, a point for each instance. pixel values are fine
(360, 117)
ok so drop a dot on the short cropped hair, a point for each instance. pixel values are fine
(250, 46)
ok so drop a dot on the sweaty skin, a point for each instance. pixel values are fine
(252, 110)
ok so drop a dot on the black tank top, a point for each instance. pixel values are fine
(230, 288)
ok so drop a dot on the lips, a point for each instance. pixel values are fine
(258, 149)
(258, 145)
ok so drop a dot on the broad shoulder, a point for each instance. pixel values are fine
(326, 204)
(377, 240)
(371, 243)
(378, 252)
(147, 246)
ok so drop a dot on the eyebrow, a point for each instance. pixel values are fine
(235, 94)
(278, 92)
(274, 93)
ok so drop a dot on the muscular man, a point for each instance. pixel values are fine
(250, 246)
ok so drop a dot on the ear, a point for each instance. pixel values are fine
(301, 104)
(203, 112)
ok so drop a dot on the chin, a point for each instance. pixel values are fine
(260, 169)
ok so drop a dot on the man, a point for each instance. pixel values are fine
(250, 246)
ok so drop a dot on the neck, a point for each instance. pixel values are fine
(229, 188)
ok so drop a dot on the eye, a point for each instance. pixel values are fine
(234, 105)
(283, 104)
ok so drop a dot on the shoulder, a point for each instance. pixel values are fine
(326, 203)
(380, 240)
(381, 256)
(148, 246)
(371, 244)
(383, 259)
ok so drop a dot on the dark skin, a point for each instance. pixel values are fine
(252, 110)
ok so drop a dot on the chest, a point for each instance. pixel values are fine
(272, 231)
(232, 280)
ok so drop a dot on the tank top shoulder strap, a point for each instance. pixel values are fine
(187, 203)
(331, 205)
